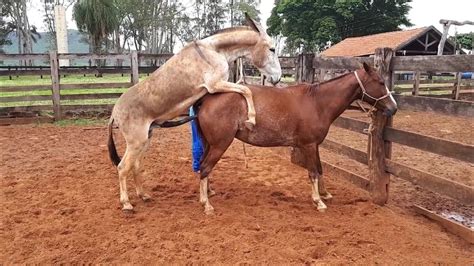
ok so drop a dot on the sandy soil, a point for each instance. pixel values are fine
(60, 204)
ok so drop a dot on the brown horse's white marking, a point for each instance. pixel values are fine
(298, 116)
(199, 68)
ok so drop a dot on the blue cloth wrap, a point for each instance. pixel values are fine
(197, 148)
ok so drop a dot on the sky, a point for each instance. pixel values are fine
(423, 13)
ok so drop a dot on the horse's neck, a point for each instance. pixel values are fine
(337, 95)
(233, 44)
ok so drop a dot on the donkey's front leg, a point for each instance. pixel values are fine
(224, 86)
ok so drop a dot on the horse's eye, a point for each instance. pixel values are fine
(272, 50)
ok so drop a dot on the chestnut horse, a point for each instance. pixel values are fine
(297, 116)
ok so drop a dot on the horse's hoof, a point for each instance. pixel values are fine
(145, 197)
(249, 124)
(320, 206)
(327, 197)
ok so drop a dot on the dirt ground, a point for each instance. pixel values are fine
(60, 204)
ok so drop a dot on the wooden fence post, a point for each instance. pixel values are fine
(416, 84)
(135, 78)
(378, 149)
(457, 86)
(305, 69)
(299, 68)
(56, 95)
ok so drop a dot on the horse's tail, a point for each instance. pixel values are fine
(114, 157)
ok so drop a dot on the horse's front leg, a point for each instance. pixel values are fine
(325, 195)
(312, 159)
(224, 86)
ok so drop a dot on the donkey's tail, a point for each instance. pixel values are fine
(173, 123)
(114, 157)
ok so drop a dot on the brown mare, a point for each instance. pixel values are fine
(297, 116)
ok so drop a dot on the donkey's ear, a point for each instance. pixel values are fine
(367, 68)
(252, 23)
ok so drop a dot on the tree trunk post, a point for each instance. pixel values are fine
(56, 95)
(378, 149)
(134, 64)
(308, 70)
(457, 86)
(416, 83)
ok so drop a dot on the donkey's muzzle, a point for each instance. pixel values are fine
(274, 81)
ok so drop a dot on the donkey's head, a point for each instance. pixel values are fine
(263, 54)
(374, 90)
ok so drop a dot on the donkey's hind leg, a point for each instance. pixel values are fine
(138, 173)
(136, 143)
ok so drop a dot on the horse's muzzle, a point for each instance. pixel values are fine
(390, 111)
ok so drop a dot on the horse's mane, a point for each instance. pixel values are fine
(312, 88)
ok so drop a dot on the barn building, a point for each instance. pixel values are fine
(420, 41)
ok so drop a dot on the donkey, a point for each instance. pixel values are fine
(298, 116)
(199, 68)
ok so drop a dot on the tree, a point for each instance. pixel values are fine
(98, 18)
(465, 40)
(237, 8)
(312, 23)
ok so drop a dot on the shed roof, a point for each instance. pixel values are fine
(366, 45)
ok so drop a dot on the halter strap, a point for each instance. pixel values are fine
(364, 91)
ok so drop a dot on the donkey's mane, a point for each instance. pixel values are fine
(232, 29)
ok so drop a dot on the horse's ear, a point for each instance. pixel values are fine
(252, 23)
(367, 68)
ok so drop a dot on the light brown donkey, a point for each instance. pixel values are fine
(199, 68)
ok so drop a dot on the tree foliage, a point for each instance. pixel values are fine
(312, 23)
(465, 40)
(98, 18)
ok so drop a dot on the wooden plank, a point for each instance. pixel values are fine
(108, 56)
(24, 56)
(452, 149)
(288, 61)
(426, 63)
(54, 63)
(437, 184)
(96, 85)
(25, 120)
(35, 72)
(427, 81)
(442, 106)
(143, 56)
(350, 152)
(354, 178)
(95, 71)
(347, 63)
(30, 108)
(90, 96)
(25, 98)
(87, 107)
(351, 124)
(451, 226)
(25, 88)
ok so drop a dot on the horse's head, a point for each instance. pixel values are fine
(374, 90)
(263, 54)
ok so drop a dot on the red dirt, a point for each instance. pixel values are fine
(60, 204)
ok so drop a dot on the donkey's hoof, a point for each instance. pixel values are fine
(211, 193)
(127, 208)
(209, 210)
(145, 197)
(249, 124)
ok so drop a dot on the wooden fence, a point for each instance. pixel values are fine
(55, 100)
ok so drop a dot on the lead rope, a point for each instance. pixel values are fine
(369, 113)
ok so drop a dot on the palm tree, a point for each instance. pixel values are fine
(98, 18)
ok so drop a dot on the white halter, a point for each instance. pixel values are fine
(364, 91)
